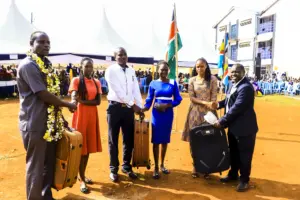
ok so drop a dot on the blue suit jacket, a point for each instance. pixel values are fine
(240, 117)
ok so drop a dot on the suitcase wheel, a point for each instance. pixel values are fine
(80, 145)
(68, 180)
(148, 167)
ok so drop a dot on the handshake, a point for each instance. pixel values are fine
(212, 105)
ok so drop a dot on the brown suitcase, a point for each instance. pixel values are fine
(68, 155)
(141, 144)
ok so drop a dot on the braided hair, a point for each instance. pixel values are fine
(207, 75)
(82, 91)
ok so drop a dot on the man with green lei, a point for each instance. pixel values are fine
(40, 118)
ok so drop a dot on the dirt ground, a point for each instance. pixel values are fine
(275, 173)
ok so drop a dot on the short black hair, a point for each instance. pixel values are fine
(119, 49)
(163, 62)
(240, 66)
(34, 35)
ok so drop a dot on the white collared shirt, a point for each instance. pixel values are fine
(233, 89)
(123, 87)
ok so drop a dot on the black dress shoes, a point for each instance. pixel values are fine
(114, 177)
(242, 187)
(227, 179)
(130, 173)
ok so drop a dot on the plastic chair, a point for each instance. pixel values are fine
(266, 88)
(104, 85)
(143, 85)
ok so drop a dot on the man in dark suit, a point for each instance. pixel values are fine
(240, 118)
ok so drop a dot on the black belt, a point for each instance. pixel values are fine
(117, 103)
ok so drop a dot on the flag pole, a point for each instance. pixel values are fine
(176, 41)
(176, 57)
(224, 60)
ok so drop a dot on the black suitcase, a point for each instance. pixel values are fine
(209, 148)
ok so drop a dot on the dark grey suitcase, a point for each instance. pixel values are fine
(209, 149)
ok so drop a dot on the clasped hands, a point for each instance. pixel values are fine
(213, 105)
(139, 111)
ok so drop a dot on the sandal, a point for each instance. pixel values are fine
(195, 175)
(164, 170)
(84, 190)
(156, 174)
(206, 176)
(89, 181)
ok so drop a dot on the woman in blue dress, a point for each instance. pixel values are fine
(166, 96)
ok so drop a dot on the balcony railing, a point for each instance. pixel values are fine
(233, 52)
(266, 27)
(265, 52)
(233, 33)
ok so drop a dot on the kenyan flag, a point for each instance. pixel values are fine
(174, 45)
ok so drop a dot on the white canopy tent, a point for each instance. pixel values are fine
(106, 40)
(15, 38)
(15, 32)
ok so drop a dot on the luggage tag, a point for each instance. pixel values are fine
(208, 132)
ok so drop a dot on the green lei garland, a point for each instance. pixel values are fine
(55, 122)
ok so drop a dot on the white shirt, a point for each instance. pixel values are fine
(233, 89)
(123, 87)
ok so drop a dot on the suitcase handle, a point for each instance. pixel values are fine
(142, 117)
(66, 124)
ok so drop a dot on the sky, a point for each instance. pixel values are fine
(134, 20)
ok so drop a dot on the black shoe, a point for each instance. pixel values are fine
(242, 187)
(227, 179)
(156, 174)
(130, 173)
(114, 177)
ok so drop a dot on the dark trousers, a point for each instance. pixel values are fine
(40, 164)
(119, 116)
(241, 152)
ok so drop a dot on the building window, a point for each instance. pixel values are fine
(266, 25)
(244, 44)
(233, 51)
(265, 49)
(223, 28)
(233, 33)
(246, 22)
